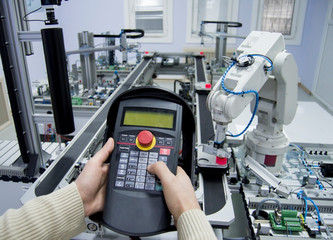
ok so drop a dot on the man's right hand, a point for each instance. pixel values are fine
(177, 189)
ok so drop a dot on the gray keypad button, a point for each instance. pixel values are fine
(133, 160)
(150, 186)
(120, 178)
(143, 160)
(119, 183)
(143, 154)
(168, 141)
(153, 155)
(140, 179)
(121, 172)
(134, 153)
(139, 185)
(124, 155)
(141, 172)
(150, 179)
(132, 165)
(123, 160)
(152, 161)
(131, 139)
(142, 166)
(163, 158)
(129, 184)
(122, 166)
(160, 141)
(130, 178)
(131, 171)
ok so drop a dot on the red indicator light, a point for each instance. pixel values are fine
(201, 53)
(208, 86)
(221, 161)
(146, 52)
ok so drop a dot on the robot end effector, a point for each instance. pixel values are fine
(49, 8)
(249, 76)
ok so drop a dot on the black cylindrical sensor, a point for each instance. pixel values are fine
(55, 59)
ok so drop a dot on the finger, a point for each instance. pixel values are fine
(161, 170)
(180, 171)
(102, 155)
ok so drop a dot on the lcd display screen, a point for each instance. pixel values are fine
(149, 118)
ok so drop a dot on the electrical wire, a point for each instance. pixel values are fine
(270, 68)
(326, 181)
(300, 195)
(252, 59)
(317, 210)
(240, 93)
(31, 20)
(279, 208)
(302, 158)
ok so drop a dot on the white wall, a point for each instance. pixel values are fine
(307, 53)
(108, 15)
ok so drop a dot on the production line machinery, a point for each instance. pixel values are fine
(265, 164)
(236, 192)
(239, 196)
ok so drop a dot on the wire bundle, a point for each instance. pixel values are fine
(300, 195)
(302, 158)
(239, 64)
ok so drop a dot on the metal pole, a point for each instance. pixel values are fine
(27, 133)
(221, 44)
(88, 66)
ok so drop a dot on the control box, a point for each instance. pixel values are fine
(146, 130)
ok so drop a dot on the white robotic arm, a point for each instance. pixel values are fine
(226, 106)
(263, 69)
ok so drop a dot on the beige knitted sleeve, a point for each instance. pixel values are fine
(59, 215)
(193, 224)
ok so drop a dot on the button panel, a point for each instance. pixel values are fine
(132, 167)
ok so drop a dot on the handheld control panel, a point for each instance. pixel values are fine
(146, 131)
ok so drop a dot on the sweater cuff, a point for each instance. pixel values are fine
(64, 212)
(193, 224)
(71, 198)
(59, 215)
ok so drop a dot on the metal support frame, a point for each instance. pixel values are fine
(221, 44)
(86, 40)
(18, 85)
(221, 38)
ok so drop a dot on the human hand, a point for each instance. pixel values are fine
(91, 183)
(178, 190)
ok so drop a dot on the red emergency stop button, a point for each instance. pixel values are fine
(145, 140)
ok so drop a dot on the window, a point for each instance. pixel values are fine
(153, 16)
(284, 16)
(210, 10)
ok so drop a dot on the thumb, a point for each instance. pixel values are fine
(161, 170)
(102, 155)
